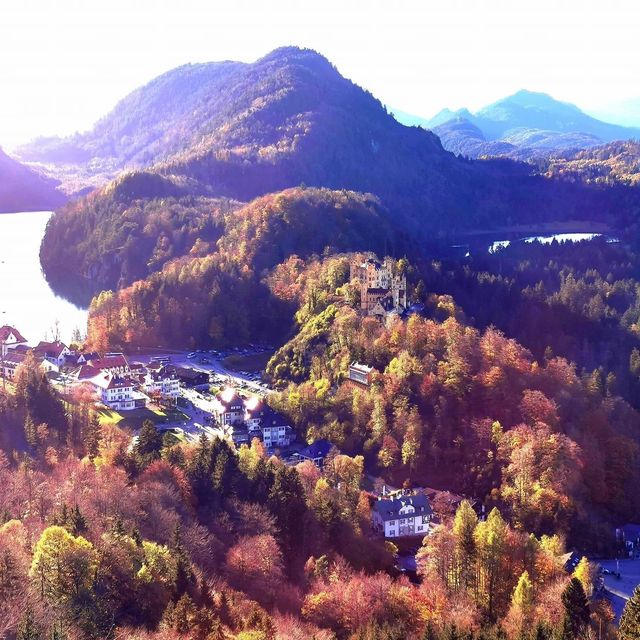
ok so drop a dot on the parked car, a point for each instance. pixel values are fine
(191, 355)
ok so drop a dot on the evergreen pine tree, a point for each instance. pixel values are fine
(576, 610)
(184, 575)
(92, 436)
(77, 522)
(542, 632)
(429, 632)
(149, 442)
(630, 620)
(30, 432)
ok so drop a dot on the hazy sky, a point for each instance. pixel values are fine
(64, 63)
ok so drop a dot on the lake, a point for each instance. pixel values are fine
(26, 299)
(548, 239)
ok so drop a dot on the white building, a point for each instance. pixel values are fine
(118, 393)
(403, 515)
(10, 338)
(162, 383)
(54, 352)
(262, 420)
(228, 408)
(360, 374)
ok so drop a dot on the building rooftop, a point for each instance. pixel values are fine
(107, 381)
(363, 368)
(229, 397)
(6, 332)
(319, 449)
(50, 349)
(14, 357)
(110, 362)
(390, 509)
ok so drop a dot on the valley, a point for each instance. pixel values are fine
(279, 366)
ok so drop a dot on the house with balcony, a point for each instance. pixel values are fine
(262, 421)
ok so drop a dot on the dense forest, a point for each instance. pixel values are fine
(126, 234)
(102, 536)
(454, 406)
(611, 163)
(221, 297)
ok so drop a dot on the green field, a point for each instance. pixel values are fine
(134, 419)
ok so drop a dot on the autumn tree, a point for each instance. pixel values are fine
(63, 566)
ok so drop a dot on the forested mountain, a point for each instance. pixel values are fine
(171, 112)
(22, 189)
(523, 126)
(616, 162)
(220, 296)
(292, 119)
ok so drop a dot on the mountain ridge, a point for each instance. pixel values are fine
(533, 123)
(23, 189)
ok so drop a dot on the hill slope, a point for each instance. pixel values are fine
(611, 163)
(162, 117)
(291, 119)
(532, 124)
(22, 189)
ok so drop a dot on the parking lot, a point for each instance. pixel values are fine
(197, 404)
(211, 362)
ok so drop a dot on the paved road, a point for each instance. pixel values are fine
(620, 590)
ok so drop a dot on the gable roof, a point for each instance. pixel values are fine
(108, 381)
(272, 418)
(319, 449)
(6, 332)
(390, 509)
(14, 357)
(86, 372)
(230, 398)
(110, 362)
(50, 349)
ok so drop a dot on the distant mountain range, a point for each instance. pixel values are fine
(523, 126)
(23, 189)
